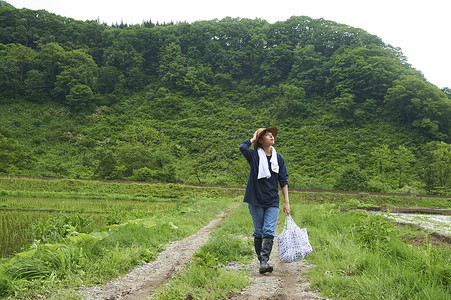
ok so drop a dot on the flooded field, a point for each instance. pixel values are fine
(437, 223)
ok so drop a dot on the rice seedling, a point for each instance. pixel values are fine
(14, 228)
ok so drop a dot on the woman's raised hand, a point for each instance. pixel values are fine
(254, 137)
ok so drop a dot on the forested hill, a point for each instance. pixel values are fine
(172, 103)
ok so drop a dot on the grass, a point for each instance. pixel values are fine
(358, 255)
(35, 199)
(82, 205)
(362, 256)
(366, 199)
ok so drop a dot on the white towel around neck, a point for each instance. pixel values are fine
(263, 167)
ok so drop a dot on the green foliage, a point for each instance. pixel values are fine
(60, 261)
(374, 231)
(55, 229)
(15, 226)
(233, 250)
(172, 102)
(207, 276)
(5, 283)
(392, 165)
(353, 251)
(364, 73)
(13, 156)
(111, 251)
(16, 61)
(117, 217)
(442, 163)
(352, 179)
(134, 161)
(79, 96)
(421, 104)
(437, 169)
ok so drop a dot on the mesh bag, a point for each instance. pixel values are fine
(293, 242)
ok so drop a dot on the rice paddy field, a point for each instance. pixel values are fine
(25, 202)
(19, 214)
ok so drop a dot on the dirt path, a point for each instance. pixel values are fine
(141, 281)
(285, 282)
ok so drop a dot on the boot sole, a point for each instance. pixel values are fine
(266, 270)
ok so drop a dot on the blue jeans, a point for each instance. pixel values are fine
(265, 221)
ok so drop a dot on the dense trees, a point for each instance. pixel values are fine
(350, 106)
(13, 156)
(420, 104)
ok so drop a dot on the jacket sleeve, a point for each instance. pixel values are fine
(283, 171)
(245, 149)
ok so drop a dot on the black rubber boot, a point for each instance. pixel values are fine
(258, 248)
(266, 252)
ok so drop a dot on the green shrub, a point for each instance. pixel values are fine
(379, 187)
(352, 179)
(117, 217)
(374, 230)
(298, 181)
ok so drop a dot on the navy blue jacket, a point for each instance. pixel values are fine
(263, 192)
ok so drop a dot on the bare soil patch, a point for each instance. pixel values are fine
(433, 238)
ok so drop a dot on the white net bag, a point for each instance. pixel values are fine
(293, 242)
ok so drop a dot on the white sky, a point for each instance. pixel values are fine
(420, 28)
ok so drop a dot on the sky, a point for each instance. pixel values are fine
(421, 28)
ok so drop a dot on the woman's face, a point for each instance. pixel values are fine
(267, 139)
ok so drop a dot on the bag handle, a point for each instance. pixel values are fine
(287, 218)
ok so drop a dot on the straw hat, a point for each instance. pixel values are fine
(273, 130)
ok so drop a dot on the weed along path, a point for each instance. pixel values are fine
(141, 281)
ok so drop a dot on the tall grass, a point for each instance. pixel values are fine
(362, 256)
(14, 229)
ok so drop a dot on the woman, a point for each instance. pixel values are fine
(267, 171)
